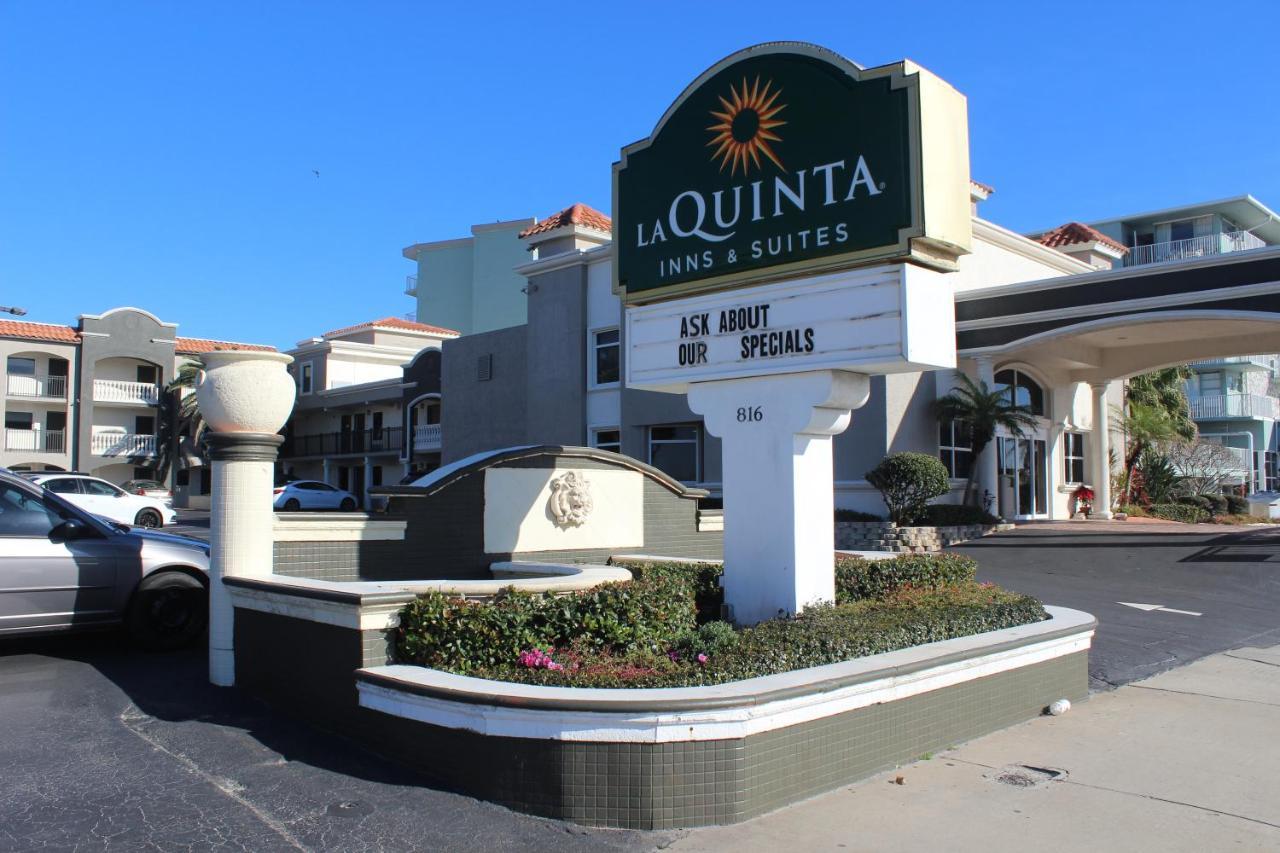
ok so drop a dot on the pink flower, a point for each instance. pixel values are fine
(702, 658)
(674, 655)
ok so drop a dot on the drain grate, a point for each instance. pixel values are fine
(1027, 775)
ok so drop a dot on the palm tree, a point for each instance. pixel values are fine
(984, 410)
(1156, 410)
(186, 418)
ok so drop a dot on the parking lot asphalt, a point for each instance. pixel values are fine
(1224, 580)
(108, 748)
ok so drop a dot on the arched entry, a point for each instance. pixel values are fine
(1024, 459)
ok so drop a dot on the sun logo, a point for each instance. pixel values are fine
(745, 128)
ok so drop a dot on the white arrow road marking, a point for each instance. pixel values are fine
(1160, 607)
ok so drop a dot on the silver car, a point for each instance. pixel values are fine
(62, 568)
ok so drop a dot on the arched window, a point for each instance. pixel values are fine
(1022, 390)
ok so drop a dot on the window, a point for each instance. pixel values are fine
(1023, 390)
(22, 366)
(607, 350)
(1211, 383)
(1073, 457)
(22, 514)
(607, 439)
(304, 379)
(1184, 229)
(955, 448)
(63, 486)
(147, 373)
(17, 420)
(674, 450)
(101, 488)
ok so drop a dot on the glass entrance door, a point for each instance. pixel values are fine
(1023, 477)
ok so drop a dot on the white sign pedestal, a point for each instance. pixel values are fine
(778, 494)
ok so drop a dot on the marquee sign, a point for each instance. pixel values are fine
(785, 159)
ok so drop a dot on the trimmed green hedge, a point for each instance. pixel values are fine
(855, 515)
(1178, 512)
(1237, 505)
(821, 635)
(661, 628)
(954, 515)
(858, 578)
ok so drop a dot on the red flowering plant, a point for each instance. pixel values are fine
(1084, 499)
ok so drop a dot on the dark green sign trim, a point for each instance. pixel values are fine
(779, 160)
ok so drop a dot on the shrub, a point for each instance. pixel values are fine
(1217, 504)
(701, 581)
(1178, 512)
(821, 635)
(1200, 501)
(948, 515)
(1237, 505)
(439, 631)
(858, 578)
(907, 482)
(854, 515)
(711, 639)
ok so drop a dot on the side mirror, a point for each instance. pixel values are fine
(69, 530)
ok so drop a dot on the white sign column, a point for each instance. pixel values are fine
(245, 398)
(778, 492)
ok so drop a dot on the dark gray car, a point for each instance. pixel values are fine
(63, 569)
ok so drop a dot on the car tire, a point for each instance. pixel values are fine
(169, 610)
(347, 505)
(292, 505)
(148, 518)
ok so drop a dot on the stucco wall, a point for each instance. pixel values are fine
(484, 415)
(556, 357)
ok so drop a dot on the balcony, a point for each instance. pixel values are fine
(1221, 406)
(37, 387)
(1248, 362)
(411, 285)
(126, 444)
(426, 437)
(364, 442)
(36, 440)
(1193, 247)
(121, 393)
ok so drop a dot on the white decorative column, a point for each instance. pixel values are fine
(245, 398)
(775, 436)
(1100, 456)
(989, 463)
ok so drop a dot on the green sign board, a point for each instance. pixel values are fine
(781, 159)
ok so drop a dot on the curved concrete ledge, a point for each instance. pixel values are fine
(546, 577)
(725, 711)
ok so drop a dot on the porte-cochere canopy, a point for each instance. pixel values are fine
(1112, 324)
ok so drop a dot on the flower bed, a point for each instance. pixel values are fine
(659, 630)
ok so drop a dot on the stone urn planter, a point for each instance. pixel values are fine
(245, 391)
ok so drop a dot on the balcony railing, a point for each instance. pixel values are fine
(426, 437)
(1192, 247)
(1217, 406)
(122, 444)
(388, 440)
(129, 393)
(411, 285)
(47, 387)
(36, 440)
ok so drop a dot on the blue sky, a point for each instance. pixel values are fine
(162, 154)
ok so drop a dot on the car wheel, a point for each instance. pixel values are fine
(347, 505)
(148, 518)
(169, 610)
(292, 505)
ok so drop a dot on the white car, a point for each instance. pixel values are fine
(312, 494)
(107, 499)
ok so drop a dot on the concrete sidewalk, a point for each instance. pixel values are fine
(1187, 760)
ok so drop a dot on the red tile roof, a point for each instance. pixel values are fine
(986, 188)
(195, 346)
(578, 214)
(393, 323)
(38, 332)
(1077, 232)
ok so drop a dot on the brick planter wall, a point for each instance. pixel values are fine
(886, 536)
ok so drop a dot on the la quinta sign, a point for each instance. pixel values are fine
(786, 158)
(782, 236)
